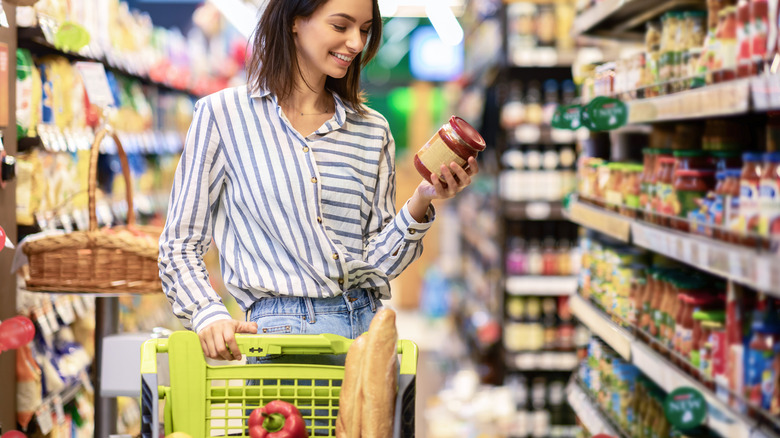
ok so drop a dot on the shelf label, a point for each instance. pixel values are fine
(685, 408)
(96, 83)
(567, 117)
(604, 113)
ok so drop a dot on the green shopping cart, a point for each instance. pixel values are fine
(205, 400)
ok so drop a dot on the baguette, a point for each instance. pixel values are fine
(350, 399)
(379, 376)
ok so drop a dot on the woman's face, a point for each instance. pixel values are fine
(332, 36)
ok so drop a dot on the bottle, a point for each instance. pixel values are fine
(534, 114)
(513, 110)
(551, 101)
(749, 180)
(769, 196)
(516, 261)
(535, 259)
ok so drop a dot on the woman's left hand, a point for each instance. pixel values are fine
(456, 178)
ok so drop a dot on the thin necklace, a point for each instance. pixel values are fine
(314, 114)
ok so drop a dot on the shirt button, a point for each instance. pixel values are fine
(412, 230)
(314, 180)
(341, 281)
(305, 149)
(335, 256)
(319, 219)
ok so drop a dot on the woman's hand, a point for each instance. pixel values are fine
(218, 339)
(456, 178)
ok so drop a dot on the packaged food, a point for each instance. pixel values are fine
(750, 177)
(690, 187)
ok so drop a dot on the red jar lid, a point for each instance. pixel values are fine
(467, 133)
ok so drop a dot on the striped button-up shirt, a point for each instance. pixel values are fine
(290, 215)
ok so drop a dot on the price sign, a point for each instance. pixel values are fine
(96, 83)
(605, 113)
(567, 117)
(685, 408)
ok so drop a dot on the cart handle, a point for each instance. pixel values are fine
(260, 345)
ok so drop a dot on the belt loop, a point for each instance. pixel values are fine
(311, 317)
(371, 299)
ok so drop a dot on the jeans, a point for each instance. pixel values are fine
(347, 315)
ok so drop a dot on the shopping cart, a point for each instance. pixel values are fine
(205, 400)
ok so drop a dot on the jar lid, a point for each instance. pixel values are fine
(666, 160)
(649, 151)
(467, 133)
(733, 173)
(695, 14)
(751, 156)
(772, 157)
(720, 174)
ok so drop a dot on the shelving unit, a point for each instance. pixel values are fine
(751, 267)
(33, 38)
(542, 361)
(722, 418)
(533, 210)
(530, 285)
(589, 414)
(624, 18)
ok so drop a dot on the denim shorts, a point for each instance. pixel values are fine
(348, 315)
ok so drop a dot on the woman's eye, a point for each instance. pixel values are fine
(365, 31)
(339, 28)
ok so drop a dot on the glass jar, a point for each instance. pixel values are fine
(456, 141)
(690, 187)
(664, 190)
(692, 159)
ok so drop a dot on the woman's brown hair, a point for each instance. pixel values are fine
(274, 60)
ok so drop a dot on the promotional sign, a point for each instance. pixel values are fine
(567, 117)
(605, 113)
(685, 408)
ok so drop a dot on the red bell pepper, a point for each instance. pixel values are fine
(277, 419)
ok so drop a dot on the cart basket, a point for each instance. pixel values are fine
(215, 400)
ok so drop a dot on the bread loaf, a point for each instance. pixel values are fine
(350, 399)
(379, 376)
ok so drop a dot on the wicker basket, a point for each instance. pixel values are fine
(108, 260)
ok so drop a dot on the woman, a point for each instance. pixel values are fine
(294, 179)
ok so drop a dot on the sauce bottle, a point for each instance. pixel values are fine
(748, 194)
(769, 196)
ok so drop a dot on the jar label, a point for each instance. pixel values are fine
(435, 153)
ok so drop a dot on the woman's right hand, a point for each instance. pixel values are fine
(218, 339)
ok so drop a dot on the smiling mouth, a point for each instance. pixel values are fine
(341, 57)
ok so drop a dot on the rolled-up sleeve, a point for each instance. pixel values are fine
(195, 194)
(394, 240)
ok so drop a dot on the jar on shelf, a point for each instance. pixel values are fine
(664, 189)
(690, 188)
(692, 159)
(726, 159)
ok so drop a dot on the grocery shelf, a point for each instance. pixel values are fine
(744, 265)
(542, 361)
(725, 99)
(625, 18)
(599, 219)
(533, 210)
(599, 323)
(33, 39)
(590, 415)
(721, 418)
(540, 285)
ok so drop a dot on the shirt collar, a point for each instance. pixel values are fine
(341, 107)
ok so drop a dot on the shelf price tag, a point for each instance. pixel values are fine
(96, 83)
(685, 408)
